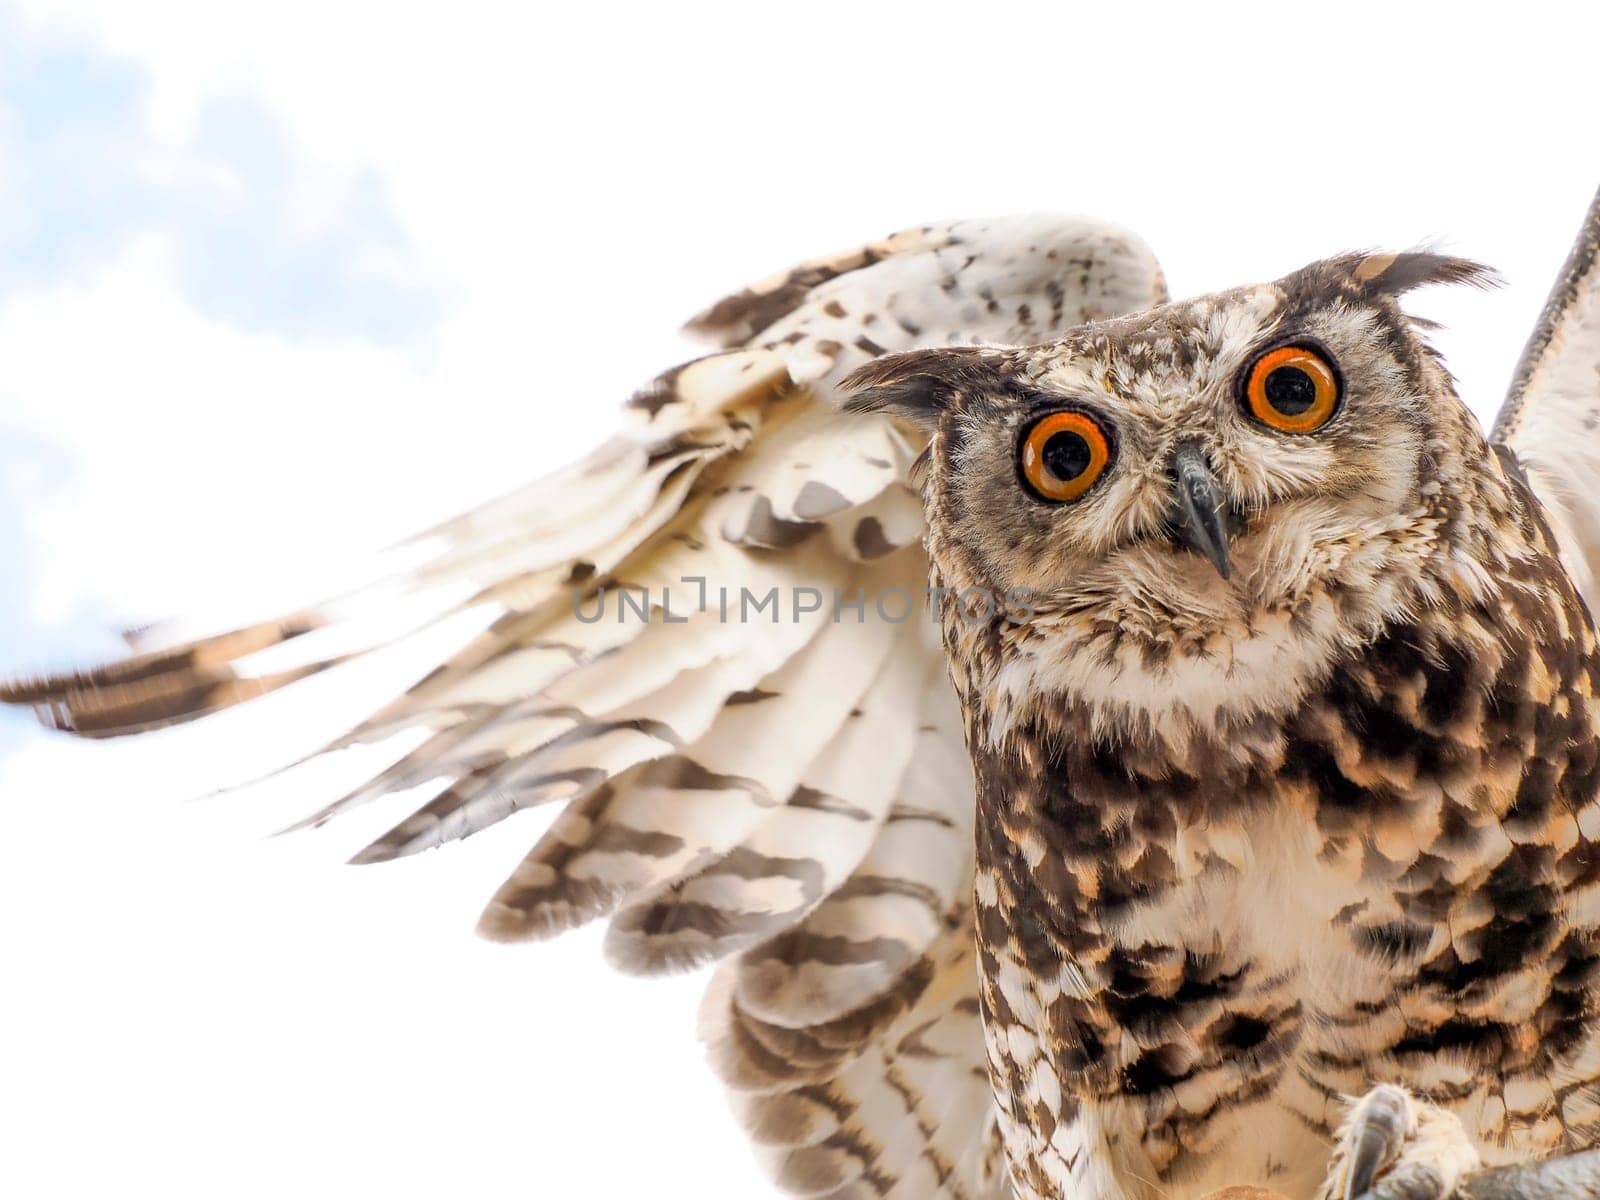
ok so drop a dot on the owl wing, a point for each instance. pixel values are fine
(768, 771)
(1551, 416)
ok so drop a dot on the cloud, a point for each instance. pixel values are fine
(261, 237)
(219, 262)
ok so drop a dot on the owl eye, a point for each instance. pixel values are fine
(1292, 389)
(1063, 455)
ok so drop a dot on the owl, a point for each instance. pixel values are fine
(1108, 748)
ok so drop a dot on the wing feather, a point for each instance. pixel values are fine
(697, 803)
(802, 850)
(781, 790)
(892, 1101)
(861, 940)
(1550, 419)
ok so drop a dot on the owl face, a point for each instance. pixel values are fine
(1182, 472)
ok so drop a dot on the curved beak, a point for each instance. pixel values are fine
(1198, 516)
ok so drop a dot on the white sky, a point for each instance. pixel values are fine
(195, 1010)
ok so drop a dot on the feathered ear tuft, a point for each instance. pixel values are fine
(920, 385)
(1371, 275)
(1396, 274)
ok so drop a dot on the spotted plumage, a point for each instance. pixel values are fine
(1255, 835)
(1279, 796)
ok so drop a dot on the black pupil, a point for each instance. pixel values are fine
(1291, 391)
(1066, 456)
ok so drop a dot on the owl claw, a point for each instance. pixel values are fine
(1395, 1147)
(1377, 1130)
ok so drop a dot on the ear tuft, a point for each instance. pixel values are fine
(920, 385)
(1396, 274)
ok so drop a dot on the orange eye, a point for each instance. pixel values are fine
(1063, 455)
(1292, 389)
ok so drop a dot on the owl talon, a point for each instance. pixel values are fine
(1378, 1134)
(1395, 1147)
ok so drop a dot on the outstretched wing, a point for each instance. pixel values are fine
(708, 642)
(1551, 416)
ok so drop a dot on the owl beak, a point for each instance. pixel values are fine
(1198, 514)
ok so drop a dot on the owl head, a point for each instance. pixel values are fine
(1173, 486)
